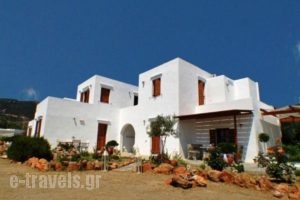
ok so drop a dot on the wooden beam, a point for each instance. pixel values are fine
(290, 119)
(278, 112)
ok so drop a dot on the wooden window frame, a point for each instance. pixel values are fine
(104, 95)
(85, 96)
(201, 87)
(38, 126)
(156, 87)
(222, 135)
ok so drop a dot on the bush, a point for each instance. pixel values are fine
(276, 164)
(297, 172)
(227, 147)
(22, 148)
(239, 167)
(216, 160)
(293, 152)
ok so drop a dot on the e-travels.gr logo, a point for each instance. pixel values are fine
(55, 181)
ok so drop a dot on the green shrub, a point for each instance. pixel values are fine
(276, 164)
(239, 167)
(66, 146)
(227, 147)
(22, 148)
(216, 160)
(293, 152)
(297, 172)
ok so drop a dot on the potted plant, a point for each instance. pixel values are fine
(228, 150)
(264, 138)
(110, 146)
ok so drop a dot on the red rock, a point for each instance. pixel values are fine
(213, 175)
(226, 177)
(264, 183)
(147, 167)
(98, 165)
(277, 194)
(282, 187)
(73, 166)
(200, 181)
(42, 164)
(202, 173)
(58, 166)
(180, 170)
(294, 196)
(164, 168)
(181, 181)
(89, 165)
(244, 180)
(294, 192)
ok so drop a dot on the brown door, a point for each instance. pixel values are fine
(101, 139)
(155, 145)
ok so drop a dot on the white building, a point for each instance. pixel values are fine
(209, 108)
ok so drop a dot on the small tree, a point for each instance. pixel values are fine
(162, 126)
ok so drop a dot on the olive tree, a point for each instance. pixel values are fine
(162, 126)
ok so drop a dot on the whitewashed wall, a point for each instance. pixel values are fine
(63, 118)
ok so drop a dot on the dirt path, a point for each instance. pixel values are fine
(111, 185)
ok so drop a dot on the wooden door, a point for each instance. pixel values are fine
(101, 139)
(155, 145)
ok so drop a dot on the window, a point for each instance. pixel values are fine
(135, 100)
(156, 87)
(222, 135)
(104, 98)
(38, 126)
(84, 96)
(201, 85)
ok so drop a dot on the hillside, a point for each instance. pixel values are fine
(16, 114)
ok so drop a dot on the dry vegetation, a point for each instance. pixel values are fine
(119, 185)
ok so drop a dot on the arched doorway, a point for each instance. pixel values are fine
(128, 138)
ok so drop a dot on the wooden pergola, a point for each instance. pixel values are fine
(289, 113)
(223, 113)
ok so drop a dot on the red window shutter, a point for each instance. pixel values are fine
(84, 96)
(104, 95)
(201, 92)
(38, 128)
(156, 87)
(87, 96)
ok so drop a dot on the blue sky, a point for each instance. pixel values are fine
(48, 47)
